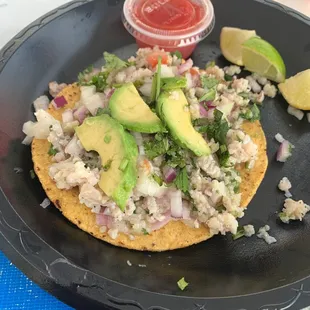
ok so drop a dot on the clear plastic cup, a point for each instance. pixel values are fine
(170, 24)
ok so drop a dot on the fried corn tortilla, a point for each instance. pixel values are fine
(175, 234)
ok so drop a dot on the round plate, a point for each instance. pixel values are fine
(84, 272)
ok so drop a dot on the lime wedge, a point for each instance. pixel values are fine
(231, 40)
(296, 90)
(261, 57)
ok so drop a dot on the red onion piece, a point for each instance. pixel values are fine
(284, 151)
(169, 174)
(59, 102)
(202, 110)
(102, 219)
(67, 116)
(110, 93)
(176, 204)
(186, 66)
(80, 114)
(160, 224)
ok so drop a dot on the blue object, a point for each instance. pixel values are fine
(17, 292)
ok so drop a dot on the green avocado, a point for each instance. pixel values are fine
(132, 112)
(172, 107)
(118, 152)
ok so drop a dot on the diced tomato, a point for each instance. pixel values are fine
(152, 58)
(193, 71)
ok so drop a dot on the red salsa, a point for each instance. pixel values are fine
(170, 24)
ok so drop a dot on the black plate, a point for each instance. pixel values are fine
(85, 272)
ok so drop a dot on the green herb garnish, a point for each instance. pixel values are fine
(112, 62)
(102, 111)
(178, 54)
(158, 180)
(124, 164)
(107, 166)
(244, 95)
(240, 233)
(138, 83)
(107, 139)
(158, 76)
(209, 95)
(210, 64)
(208, 82)
(181, 181)
(182, 284)
(145, 232)
(52, 151)
(155, 148)
(228, 77)
(173, 83)
(252, 114)
(32, 174)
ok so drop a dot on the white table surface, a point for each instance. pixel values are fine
(13, 17)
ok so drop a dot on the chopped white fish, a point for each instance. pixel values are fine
(293, 210)
(41, 103)
(270, 90)
(284, 186)
(249, 230)
(45, 203)
(263, 234)
(295, 112)
(279, 137)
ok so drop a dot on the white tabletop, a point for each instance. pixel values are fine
(13, 18)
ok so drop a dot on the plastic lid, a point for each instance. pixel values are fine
(175, 22)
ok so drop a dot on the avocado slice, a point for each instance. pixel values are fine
(172, 107)
(132, 112)
(118, 152)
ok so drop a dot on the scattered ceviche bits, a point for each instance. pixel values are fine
(154, 153)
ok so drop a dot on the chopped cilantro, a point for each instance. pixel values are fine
(181, 181)
(210, 64)
(182, 284)
(223, 158)
(252, 114)
(228, 77)
(208, 82)
(107, 139)
(82, 75)
(155, 148)
(107, 166)
(176, 156)
(283, 217)
(240, 233)
(32, 174)
(218, 129)
(138, 83)
(244, 95)
(112, 62)
(145, 232)
(237, 188)
(158, 180)
(99, 80)
(209, 95)
(52, 151)
(178, 54)
(123, 165)
(173, 83)
(102, 111)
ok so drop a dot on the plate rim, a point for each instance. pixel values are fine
(7, 231)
